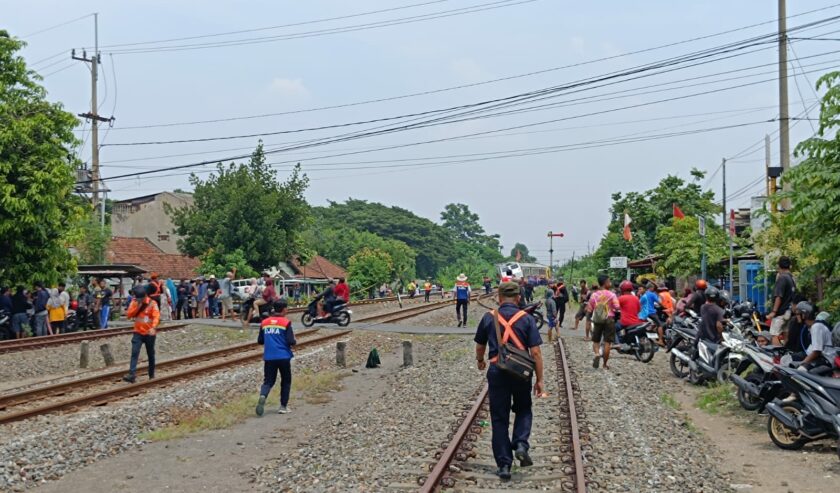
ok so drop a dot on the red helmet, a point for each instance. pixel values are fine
(700, 284)
(626, 286)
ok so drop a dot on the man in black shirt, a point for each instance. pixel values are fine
(711, 317)
(20, 319)
(39, 300)
(782, 298)
(561, 299)
(695, 303)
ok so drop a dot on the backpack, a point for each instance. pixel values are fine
(600, 314)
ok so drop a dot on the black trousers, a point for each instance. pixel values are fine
(504, 389)
(462, 306)
(561, 311)
(270, 369)
(183, 305)
(428, 293)
(137, 342)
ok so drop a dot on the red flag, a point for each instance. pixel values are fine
(678, 214)
(518, 255)
(628, 235)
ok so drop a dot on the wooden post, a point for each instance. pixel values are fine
(84, 354)
(341, 354)
(408, 356)
(105, 349)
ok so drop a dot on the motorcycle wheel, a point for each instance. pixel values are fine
(678, 367)
(307, 320)
(723, 373)
(782, 436)
(343, 319)
(540, 321)
(645, 351)
(748, 401)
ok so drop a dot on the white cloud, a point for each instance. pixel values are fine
(289, 88)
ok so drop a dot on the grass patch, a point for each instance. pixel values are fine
(717, 397)
(669, 401)
(307, 385)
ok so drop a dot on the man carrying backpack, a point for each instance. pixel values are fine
(603, 305)
(520, 330)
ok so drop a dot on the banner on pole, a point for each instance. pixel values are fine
(702, 226)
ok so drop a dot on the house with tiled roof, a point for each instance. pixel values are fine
(146, 217)
(145, 254)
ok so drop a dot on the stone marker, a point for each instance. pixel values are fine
(106, 354)
(341, 354)
(408, 357)
(84, 354)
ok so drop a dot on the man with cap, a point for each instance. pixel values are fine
(520, 329)
(146, 317)
(462, 292)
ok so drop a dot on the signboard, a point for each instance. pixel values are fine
(702, 226)
(618, 262)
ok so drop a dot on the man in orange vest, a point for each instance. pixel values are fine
(155, 287)
(520, 329)
(146, 317)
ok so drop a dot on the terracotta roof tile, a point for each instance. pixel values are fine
(144, 253)
(319, 268)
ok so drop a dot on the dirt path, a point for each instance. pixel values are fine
(222, 460)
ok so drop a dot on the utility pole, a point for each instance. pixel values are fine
(93, 115)
(551, 236)
(771, 189)
(723, 171)
(784, 119)
(572, 268)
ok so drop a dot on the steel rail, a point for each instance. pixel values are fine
(577, 454)
(440, 469)
(130, 390)
(8, 400)
(15, 345)
(414, 311)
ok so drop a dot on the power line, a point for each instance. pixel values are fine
(325, 32)
(56, 26)
(475, 84)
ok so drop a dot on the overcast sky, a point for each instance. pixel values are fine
(519, 197)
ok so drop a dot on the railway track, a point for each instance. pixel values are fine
(107, 387)
(415, 311)
(30, 343)
(466, 463)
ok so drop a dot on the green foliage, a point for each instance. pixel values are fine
(469, 262)
(681, 245)
(431, 242)
(370, 268)
(219, 264)
(586, 267)
(813, 187)
(93, 240)
(651, 210)
(525, 255)
(38, 219)
(244, 207)
(464, 227)
(338, 244)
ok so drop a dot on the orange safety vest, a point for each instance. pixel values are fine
(509, 333)
(156, 286)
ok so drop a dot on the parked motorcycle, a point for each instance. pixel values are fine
(710, 361)
(636, 340)
(339, 314)
(680, 335)
(810, 413)
(762, 360)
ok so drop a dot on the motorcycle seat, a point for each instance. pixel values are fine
(827, 382)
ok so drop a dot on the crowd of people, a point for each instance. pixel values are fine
(43, 310)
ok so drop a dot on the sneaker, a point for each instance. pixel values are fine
(596, 361)
(261, 406)
(129, 379)
(284, 410)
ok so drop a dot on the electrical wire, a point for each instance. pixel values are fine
(55, 26)
(44, 76)
(114, 106)
(475, 84)
(325, 32)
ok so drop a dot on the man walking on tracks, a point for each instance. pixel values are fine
(427, 289)
(278, 338)
(462, 298)
(146, 315)
(603, 305)
(520, 330)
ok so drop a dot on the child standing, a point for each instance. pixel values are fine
(278, 338)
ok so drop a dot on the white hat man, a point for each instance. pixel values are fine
(462, 298)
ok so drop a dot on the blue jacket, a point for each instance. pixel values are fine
(277, 336)
(648, 301)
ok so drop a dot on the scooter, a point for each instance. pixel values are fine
(680, 335)
(708, 361)
(339, 314)
(245, 310)
(762, 360)
(810, 413)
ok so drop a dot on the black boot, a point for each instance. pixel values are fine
(504, 473)
(523, 457)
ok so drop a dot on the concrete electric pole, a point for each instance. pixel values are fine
(784, 119)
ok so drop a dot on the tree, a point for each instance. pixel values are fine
(524, 255)
(464, 226)
(38, 219)
(681, 247)
(432, 242)
(93, 240)
(218, 264)
(369, 268)
(340, 243)
(813, 187)
(244, 207)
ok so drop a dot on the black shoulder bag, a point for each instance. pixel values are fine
(511, 359)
